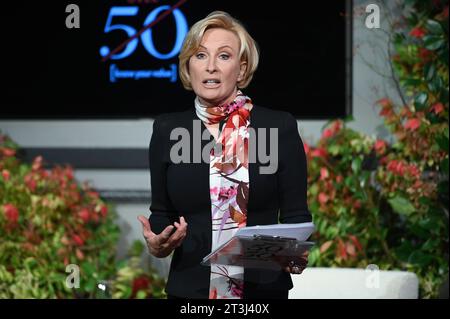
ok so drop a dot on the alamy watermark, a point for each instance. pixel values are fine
(188, 150)
(73, 279)
(373, 18)
(373, 276)
(73, 19)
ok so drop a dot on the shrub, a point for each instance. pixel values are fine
(48, 221)
(382, 203)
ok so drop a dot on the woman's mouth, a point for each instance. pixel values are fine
(211, 83)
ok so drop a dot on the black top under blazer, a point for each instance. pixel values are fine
(183, 190)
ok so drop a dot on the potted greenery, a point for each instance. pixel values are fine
(382, 203)
(48, 221)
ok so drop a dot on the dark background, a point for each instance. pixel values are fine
(50, 71)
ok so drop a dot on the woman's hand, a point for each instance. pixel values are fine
(297, 265)
(161, 245)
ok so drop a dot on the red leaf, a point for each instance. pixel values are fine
(37, 163)
(355, 241)
(327, 133)
(324, 173)
(306, 147)
(79, 254)
(8, 152)
(140, 283)
(77, 240)
(342, 252)
(11, 213)
(6, 175)
(384, 102)
(104, 211)
(84, 215)
(424, 53)
(380, 147)
(323, 198)
(324, 247)
(437, 108)
(412, 124)
(350, 248)
(417, 32)
(385, 111)
(319, 152)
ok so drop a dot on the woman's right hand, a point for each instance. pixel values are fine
(161, 245)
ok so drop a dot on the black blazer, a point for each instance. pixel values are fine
(183, 190)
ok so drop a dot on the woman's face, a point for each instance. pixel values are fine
(215, 68)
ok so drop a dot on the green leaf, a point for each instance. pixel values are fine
(365, 178)
(121, 264)
(341, 210)
(88, 269)
(433, 42)
(314, 189)
(420, 100)
(349, 182)
(429, 223)
(334, 149)
(434, 27)
(431, 244)
(23, 169)
(331, 232)
(443, 142)
(315, 206)
(127, 292)
(356, 165)
(322, 226)
(413, 18)
(429, 71)
(349, 118)
(404, 250)
(401, 205)
(425, 201)
(411, 82)
(141, 294)
(314, 256)
(435, 84)
(136, 249)
(90, 285)
(419, 258)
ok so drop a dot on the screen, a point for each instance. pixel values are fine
(51, 70)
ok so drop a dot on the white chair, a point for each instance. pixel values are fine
(354, 283)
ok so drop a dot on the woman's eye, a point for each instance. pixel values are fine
(200, 55)
(224, 56)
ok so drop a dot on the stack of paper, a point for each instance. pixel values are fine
(266, 247)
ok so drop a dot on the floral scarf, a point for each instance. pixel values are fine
(229, 186)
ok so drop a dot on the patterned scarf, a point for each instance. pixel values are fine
(229, 186)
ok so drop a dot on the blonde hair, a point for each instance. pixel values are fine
(218, 19)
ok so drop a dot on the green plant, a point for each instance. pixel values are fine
(133, 282)
(48, 221)
(384, 203)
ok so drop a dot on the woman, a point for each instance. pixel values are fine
(198, 205)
